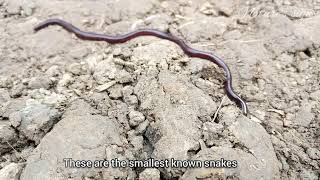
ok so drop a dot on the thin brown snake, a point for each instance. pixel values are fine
(152, 32)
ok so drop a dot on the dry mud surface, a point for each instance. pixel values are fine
(61, 97)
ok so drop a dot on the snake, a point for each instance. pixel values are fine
(191, 52)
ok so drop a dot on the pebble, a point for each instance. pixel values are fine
(208, 9)
(28, 8)
(131, 100)
(115, 91)
(136, 118)
(17, 90)
(15, 119)
(54, 100)
(142, 127)
(66, 80)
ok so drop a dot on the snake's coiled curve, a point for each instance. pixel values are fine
(152, 32)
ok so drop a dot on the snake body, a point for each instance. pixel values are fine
(153, 32)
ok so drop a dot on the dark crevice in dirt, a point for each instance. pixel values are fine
(217, 119)
(147, 145)
(242, 147)
(22, 141)
(192, 153)
(163, 176)
(308, 52)
(222, 13)
(4, 118)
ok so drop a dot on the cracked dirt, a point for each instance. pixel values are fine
(62, 97)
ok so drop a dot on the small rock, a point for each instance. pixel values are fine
(136, 118)
(115, 91)
(17, 90)
(287, 122)
(141, 128)
(313, 153)
(208, 9)
(11, 172)
(15, 119)
(28, 8)
(36, 120)
(303, 56)
(54, 100)
(66, 80)
(150, 174)
(131, 100)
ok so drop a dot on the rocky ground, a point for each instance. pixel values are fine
(61, 97)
